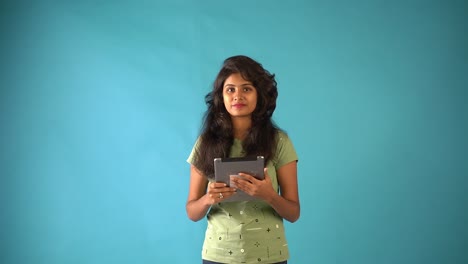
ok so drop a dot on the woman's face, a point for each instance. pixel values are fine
(239, 96)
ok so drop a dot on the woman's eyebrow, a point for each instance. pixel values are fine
(244, 84)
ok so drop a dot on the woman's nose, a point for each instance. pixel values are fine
(237, 95)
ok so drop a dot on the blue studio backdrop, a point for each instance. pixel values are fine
(101, 102)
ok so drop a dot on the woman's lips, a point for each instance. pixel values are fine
(238, 105)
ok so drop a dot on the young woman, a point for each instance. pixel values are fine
(238, 124)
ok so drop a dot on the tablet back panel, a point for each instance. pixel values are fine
(225, 167)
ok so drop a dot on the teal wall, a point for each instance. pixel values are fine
(101, 102)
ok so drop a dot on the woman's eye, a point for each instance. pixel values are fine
(230, 90)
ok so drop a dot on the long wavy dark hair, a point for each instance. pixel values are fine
(217, 136)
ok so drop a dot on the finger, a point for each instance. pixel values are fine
(217, 184)
(248, 177)
(219, 196)
(227, 195)
(223, 189)
(239, 182)
(242, 184)
(216, 191)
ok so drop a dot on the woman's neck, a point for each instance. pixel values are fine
(241, 127)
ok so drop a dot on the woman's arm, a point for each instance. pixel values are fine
(200, 199)
(287, 204)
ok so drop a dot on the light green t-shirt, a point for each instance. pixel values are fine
(249, 231)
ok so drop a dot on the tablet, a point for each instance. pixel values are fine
(225, 167)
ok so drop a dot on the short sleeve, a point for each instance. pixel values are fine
(191, 157)
(285, 151)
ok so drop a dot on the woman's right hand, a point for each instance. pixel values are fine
(219, 191)
(203, 194)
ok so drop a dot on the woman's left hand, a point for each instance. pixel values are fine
(258, 188)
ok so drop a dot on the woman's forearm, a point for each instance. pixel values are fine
(197, 209)
(287, 209)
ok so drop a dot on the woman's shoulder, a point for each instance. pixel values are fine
(282, 140)
(281, 135)
(285, 151)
